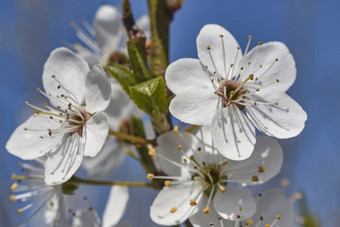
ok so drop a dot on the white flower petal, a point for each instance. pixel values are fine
(168, 147)
(273, 203)
(70, 69)
(220, 58)
(87, 218)
(233, 202)
(54, 214)
(285, 120)
(65, 161)
(98, 90)
(188, 74)
(115, 206)
(97, 129)
(176, 196)
(144, 24)
(267, 154)
(195, 108)
(107, 24)
(121, 107)
(201, 219)
(27, 144)
(233, 133)
(107, 161)
(265, 55)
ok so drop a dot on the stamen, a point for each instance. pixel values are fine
(248, 44)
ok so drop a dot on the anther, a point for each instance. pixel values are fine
(152, 152)
(255, 178)
(25, 129)
(267, 225)
(219, 218)
(224, 163)
(255, 103)
(249, 36)
(251, 76)
(250, 222)
(221, 36)
(276, 59)
(199, 148)
(208, 47)
(261, 169)
(185, 160)
(179, 147)
(222, 189)
(14, 186)
(211, 224)
(261, 218)
(19, 211)
(41, 137)
(59, 87)
(260, 43)
(257, 89)
(38, 89)
(276, 103)
(278, 217)
(277, 80)
(176, 129)
(238, 216)
(173, 210)
(150, 176)
(241, 68)
(193, 202)
(167, 183)
(231, 65)
(240, 208)
(206, 210)
(256, 78)
(53, 76)
(12, 198)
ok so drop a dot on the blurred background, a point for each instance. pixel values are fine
(30, 29)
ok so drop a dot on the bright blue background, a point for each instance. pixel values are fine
(30, 29)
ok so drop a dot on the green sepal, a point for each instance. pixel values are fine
(139, 67)
(150, 95)
(69, 188)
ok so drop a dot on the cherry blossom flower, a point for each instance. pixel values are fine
(235, 93)
(107, 37)
(202, 185)
(74, 125)
(274, 209)
(31, 188)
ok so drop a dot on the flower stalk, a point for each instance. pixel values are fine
(110, 183)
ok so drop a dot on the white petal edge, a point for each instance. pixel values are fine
(96, 132)
(233, 134)
(115, 206)
(283, 69)
(65, 161)
(267, 154)
(187, 73)
(68, 68)
(98, 90)
(285, 120)
(174, 196)
(228, 204)
(220, 58)
(27, 144)
(107, 25)
(87, 218)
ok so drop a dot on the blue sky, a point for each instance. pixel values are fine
(30, 29)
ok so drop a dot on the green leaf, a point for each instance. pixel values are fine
(138, 65)
(150, 95)
(123, 75)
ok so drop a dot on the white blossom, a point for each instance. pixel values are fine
(202, 185)
(235, 93)
(74, 125)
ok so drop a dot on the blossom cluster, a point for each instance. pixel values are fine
(102, 91)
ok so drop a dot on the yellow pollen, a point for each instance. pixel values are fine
(222, 189)
(251, 76)
(176, 128)
(250, 222)
(255, 178)
(257, 89)
(167, 183)
(173, 210)
(267, 225)
(261, 169)
(206, 210)
(277, 80)
(249, 36)
(14, 186)
(298, 195)
(278, 217)
(38, 89)
(240, 208)
(276, 103)
(150, 176)
(152, 152)
(193, 202)
(179, 147)
(208, 47)
(260, 43)
(185, 160)
(231, 65)
(19, 211)
(14, 176)
(12, 198)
